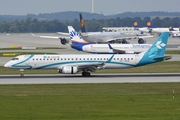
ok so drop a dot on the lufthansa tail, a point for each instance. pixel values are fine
(156, 52)
(83, 29)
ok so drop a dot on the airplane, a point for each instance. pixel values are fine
(106, 37)
(74, 63)
(142, 29)
(160, 30)
(155, 30)
(81, 45)
(100, 37)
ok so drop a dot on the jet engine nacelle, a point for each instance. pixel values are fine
(69, 70)
(64, 41)
(141, 41)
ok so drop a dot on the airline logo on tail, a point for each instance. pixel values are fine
(82, 22)
(73, 34)
(83, 29)
(135, 24)
(160, 45)
(75, 37)
(148, 23)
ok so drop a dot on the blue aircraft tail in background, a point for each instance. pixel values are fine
(83, 29)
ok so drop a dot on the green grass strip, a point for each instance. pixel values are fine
(130, 101)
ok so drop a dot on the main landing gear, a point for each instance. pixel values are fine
(86, 74)
(21, 72)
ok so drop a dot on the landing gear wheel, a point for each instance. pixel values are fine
(22, 72)
(22, 75)
(86, 74)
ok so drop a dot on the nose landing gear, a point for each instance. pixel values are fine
(21, 72)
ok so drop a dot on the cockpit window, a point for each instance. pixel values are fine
(15, 59)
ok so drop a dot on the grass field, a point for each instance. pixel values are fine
(162, 67)
(137, 101)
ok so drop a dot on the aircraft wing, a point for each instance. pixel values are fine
(163, 58)
(63, 34)
(87, 66)
(53, 37)
(91, 66)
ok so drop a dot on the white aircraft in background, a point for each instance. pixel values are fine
(81, 45)
(72, 64)
(100, 37)
(106, 37)
(156, 30)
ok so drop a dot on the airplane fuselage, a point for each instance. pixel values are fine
(101, 37)
(104, 48)
(117, 61)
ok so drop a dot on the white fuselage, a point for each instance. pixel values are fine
(117, 61)
(161, 30)
(101, 36)
(143, 29)
(104, 48)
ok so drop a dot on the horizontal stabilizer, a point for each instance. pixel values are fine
(163, 58)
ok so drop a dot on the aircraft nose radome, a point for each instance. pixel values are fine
(7, 65)
(84, 48)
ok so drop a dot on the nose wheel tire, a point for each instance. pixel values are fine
(21, 72)
(22, 75)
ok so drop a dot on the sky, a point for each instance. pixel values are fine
(106, 7)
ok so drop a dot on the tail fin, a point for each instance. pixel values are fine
(171, 28)
(135, 25)
(75, 37)
(156, 52)
(83, 29)
(149, 24)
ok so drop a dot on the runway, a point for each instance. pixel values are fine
(95, 78)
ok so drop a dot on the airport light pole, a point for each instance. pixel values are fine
(92, 6)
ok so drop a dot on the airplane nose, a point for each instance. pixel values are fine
(7, 65)
(84, 48)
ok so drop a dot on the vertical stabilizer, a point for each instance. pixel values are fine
(156, 52)
(82, 24)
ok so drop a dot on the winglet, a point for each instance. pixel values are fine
(171, 28)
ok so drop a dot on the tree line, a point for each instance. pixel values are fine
(39, 26)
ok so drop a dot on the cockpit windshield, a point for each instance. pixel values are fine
(15, 59)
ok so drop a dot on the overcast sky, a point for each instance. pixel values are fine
(23, 7)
